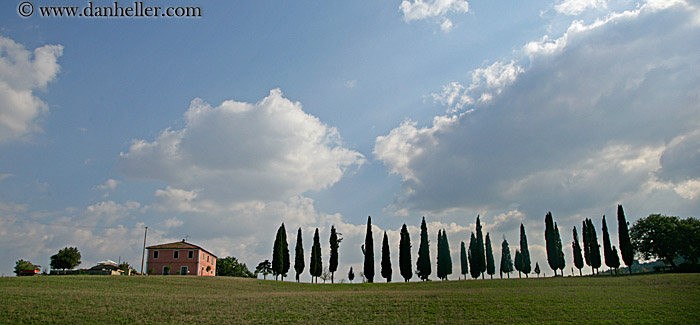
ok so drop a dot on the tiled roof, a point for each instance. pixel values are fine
(179, 245)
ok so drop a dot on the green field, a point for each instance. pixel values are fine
(661, 298)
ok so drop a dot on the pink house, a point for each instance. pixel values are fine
(182, 257)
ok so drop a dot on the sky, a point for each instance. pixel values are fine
(220, 128)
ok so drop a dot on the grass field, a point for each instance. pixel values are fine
(661, 298)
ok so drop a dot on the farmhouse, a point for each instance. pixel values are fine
(180, 258)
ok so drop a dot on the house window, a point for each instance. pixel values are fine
(155, 254)
(190, 254)
(176, 254)
(183, 270)
(207, 258)
(166, 271)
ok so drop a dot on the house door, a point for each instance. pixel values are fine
(183, 270)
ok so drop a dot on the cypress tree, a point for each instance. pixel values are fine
(405, 254)
(626, 249)
(351, 275)
(552, 253)
(423, 269)
(537, 269)
(506, 261)
(335, 243)
(280, 254)
(490, 265)
(463, 260)
(578, 258)
(593, 245)
(525, 251)
(299, 256)
(480, 253)
(386, 259)
(560, 250)
(518, 262)
(607, 247)
(474, 268)
(447, 255)
(277, 254)
(440, 257)
(315, 264)
(368, 251)
(586, 244)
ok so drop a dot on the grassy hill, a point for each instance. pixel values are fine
(658, 298)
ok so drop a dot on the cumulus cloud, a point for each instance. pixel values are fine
(433, 9)
(21, 73)
(576, 7)
(238, 152)
(486, 82)
(607, 112)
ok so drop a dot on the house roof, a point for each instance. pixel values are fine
(179, 245)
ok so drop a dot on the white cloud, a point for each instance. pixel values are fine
(238, 152)
(3, 176)
(21, 73)
(606, 113)
(351, 83)
(433, 9)
(576, 7)
(486, 82)
(109, 184)
(109, 212)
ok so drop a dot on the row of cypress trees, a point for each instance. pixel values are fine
(591, 248)
(477, 260)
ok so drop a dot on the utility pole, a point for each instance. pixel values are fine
(143, 254)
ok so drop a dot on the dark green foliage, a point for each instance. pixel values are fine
(463, 260)
(315, 263)
(552, 252)
(537, 269)
(448, 255)
(607, 247)
(351, 275)
(444, 260)
(368, 251)
(265, 267)
(506, 260)
(440, 262)
(299, 256)
(386, 259)
(626, 249)
(525, 252)
(229, 266)
(479, 252)
(280, 254)
(518, 262)
(666, 238)
(593, 246)
(615, 261)
(423, 268)
(490, 265)
(335, 243)
(23, 265)
(586, 247)
(66, 259)
(474, 269)
(576, 247)
(560, 249)
(405, 264)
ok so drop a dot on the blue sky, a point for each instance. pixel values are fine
(317, 114)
